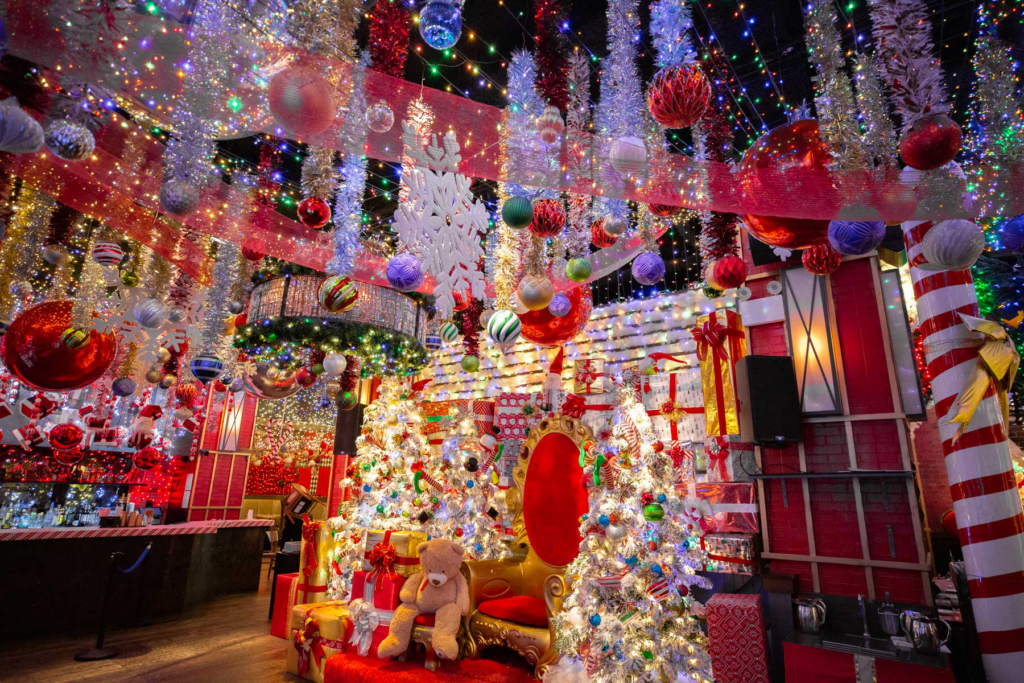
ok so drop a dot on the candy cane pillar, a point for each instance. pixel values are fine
(978, 466)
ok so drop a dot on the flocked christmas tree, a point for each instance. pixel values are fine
(627, 616)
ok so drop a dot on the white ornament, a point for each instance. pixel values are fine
(441, 220)
(628, 155)
(335, 364)
(952, 245)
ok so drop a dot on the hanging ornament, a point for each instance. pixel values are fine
(65, 436)
(236, 308)
(535, 291)
(129, 278)
(952, 245)
(548, 218)
(379, 117)
(33, 352)
(664, 210)
(648, 268)
(150, 313)
(449, 331)
(628, 155)
(560, 305)
(68, 457)
(55, 254)
(855, 238)
(550, 124)
(730, 272)
(206, 367)
(74, 338)
(517, 212)
(793, 152)
(504, 328)
(334, 364)
(19, 132)
(931, 142)
(599, 236)
(267, 382)
(710, 291)
(70, 141)
(314, 212)
(251, 254)
(544, 329)
(122, 386)
(179, 197)
(405, 272)
(107, 254)
(146, 459)
(709, 276)
(305, 377)
(578, 269)
(441, 23)
(679, 95)
(337, 294)
(187, 393)
(1012, 234)
(302, 101)
(154, 375)
(821, 259)
(470, 363)
(616, 227)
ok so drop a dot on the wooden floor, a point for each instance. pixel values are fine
(226, 640)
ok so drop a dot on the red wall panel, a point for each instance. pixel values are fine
(903, 585)
(842, 579)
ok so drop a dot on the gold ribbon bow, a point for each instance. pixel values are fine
(997, 365)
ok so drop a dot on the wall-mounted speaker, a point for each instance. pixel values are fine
(769, 400)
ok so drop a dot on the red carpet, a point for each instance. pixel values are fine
(351, 668)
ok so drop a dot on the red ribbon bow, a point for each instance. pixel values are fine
(307, 644)
(382, 557)
(309, 532)
(712, 336)
(574, 406)
(717, 459)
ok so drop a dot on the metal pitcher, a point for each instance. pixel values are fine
(923, 631)
(810, 614)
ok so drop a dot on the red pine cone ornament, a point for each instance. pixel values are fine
(548, 218)
(730, 272)
(599, 236)
(679, 95)
(821, 259)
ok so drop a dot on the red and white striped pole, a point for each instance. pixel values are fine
(978, 465)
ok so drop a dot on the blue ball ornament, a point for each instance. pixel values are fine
(560, 305)
(648, 268)
(631, 561)
(469, 484)
(1013, 234)
(662, 497)
(657, 570)
(366, 488)
(603, 520)
(595, 620)
(441, 24)
(405, 272)
(855, 238)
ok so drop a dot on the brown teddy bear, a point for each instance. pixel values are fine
(439, 588)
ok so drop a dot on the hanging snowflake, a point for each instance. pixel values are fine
(441, 220)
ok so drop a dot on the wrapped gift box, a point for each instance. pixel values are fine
(284, 598)
(729, 461)
(736, 638)
(439, 417)
(593, 410)
(731, 553)
(673, 401)
(588, 377)
(381, 592)
(406, 559)
(721, 342)
(317, 631)
(314, 562)
(633, 377)
(733, 508)
(514, 416)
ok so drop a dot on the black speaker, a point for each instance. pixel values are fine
(769, 400)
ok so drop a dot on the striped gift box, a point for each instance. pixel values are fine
(659, 590)
(611, 583)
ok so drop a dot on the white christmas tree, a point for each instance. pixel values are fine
(627, 616)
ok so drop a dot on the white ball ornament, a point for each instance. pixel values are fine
(107, 254)
(952, 245)
(504, 328)
(379, 117)
(535, 291)
(335, 364)
(550, 124)
(179, 197)
(628, 155)
(449, 332)
(615, 226)
(150, 313)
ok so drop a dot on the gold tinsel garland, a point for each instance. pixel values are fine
(92, 287)
(13, 254)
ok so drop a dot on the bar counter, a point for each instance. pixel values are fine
(55, 577)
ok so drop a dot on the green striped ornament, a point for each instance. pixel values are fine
(504, 328)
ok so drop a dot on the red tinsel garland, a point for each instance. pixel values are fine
(718, 236)
(350, 377)
(552, 48)
(266, 186)
(389, 37)
(471, 327)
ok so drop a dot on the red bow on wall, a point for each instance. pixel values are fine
(712, 336)
(309, 532)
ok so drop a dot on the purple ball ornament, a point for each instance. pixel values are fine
(855, 238)
(648, 268)
(560, 305)
(123, 386)
(405, 272)
(1013, 234)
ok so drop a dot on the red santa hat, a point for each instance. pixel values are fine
(556, 365)
(151, 411)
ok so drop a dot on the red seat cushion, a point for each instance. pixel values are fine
(520, 609)
(424, 620)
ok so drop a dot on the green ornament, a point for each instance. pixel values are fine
(380, 508)
(74, 338)
(470, 363)
(654, 512)
(647, 654)
(366, 467)
(517, 212)
(433, 500)
(394, 494)
(417, 501)
(129, 278)
(710, 292)
(317, 369)
(578, 269)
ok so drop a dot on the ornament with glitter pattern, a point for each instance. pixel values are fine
(441, 23)
(405, 272)
(578, 269)
(535, 291)
(821, 259)
(679, 95)
(70, 141)
(600, 237)
(314, 212)
(517, 212)
(179, 197)
(150, 313)
(548, 218)
(931, 142)
(379, 117)
(648, 268)
(952, 245)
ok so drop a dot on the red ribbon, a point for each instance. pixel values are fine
(382, 557)
(672, 425)
(718, 461)
(309, 532)
(712, 336)
(310, 633)
(667, 356)
(574, 406)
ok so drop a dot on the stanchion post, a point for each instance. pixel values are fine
(99, 652)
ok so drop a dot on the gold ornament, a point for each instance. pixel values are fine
(154, 376)
(535, 292)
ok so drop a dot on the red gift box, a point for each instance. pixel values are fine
(594, 410)
(381, 594)
(282, 604)
(439, 417)
(733, 508)
(736, 636)
(729, 461)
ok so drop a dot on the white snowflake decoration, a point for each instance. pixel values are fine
(441, 220)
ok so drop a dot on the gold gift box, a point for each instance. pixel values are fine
(406, 548)
(332, 620)
(313, 588)
(718, 374)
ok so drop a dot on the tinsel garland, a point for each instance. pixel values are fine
(349, 379)
(156, 276)
(389, 37)
(471, 327)
(907, 59)
(348, 203)
(212, 339)
(996, 127)
(91, 30)
(579, 144)
(533, 261)
(325, 28)
(92, 285)
(318, 176)
(833, 94)
(267, 186)
(670, 23)
(552, 47)
(712, 136)
(58, 234)
(11, 251)
(506, 265)
(519, 129)
(127, 366)
(421, 117)
(64, 281)
(879, 136)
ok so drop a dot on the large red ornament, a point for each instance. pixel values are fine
(822, 259)
(251, 254)
(679, 95)
(65, 436)
(545, 329)
(789, 158)
(548, 218)
(305, 377)
(147, 458)
(664, 210)
(730, 272)
(70, 456)
(931, 142)
(33, 351)
(314, 212)
(599, 236)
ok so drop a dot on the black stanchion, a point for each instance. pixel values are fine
(99, 652)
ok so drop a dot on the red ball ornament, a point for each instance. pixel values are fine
(931, 142)
(147, 458)
(69, 457)
(251, 254)
(949, 522)
(65, 436)
(599, 236)
(459, 532)
(544, 329)
(822, 259)
(730, 272)
(241, 319)
(664, 210)
(305, 377)
(683, 590)
(679, 95)
(658, 446)
(33, 351)
(782, 162)
(314, 212)
(302, 101)
(548, 218)
(652, 545)
(186, 393)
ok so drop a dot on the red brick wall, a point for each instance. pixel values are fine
(931, 469)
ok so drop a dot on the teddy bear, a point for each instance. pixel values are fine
(439, 588)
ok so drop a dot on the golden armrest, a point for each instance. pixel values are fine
(492, 579)
(555, 591)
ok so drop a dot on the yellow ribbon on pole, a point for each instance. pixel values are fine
(997, 365)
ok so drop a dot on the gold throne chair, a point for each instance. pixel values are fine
(512, 600)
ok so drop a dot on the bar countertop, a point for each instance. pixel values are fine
(205, 527)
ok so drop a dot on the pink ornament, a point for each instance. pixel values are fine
(931, 142)
(302, 101)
